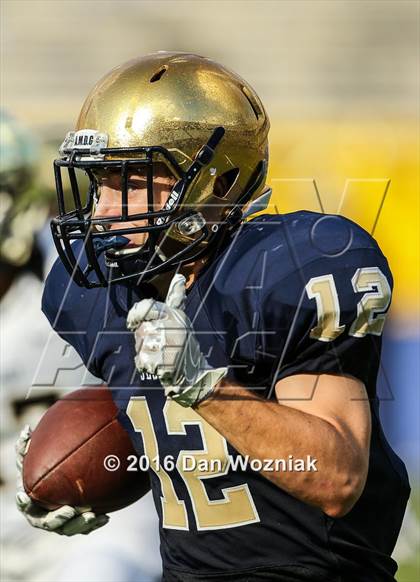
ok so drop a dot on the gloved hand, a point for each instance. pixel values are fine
(65, 520)
(166, 346)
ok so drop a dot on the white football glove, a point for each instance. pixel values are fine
(65, 520)
(166, 346)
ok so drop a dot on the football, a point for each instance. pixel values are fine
(73, 452)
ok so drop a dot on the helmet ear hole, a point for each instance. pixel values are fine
(223, 184)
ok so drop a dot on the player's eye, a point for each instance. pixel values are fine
(136, 184)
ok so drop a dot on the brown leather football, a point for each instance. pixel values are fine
(65, 462)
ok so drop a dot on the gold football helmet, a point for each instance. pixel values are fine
(203, 122)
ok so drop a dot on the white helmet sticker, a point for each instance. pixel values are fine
(85, 140)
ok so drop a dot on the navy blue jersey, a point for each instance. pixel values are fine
(290, 294)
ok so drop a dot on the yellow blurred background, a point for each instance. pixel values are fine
(366, 170)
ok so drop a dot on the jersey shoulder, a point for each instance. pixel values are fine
(301, 292)
(65, 304)
(271, 248)
(297, 239)
(72, 311)
(93, 321)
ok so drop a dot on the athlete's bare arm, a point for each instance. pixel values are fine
(326, 417)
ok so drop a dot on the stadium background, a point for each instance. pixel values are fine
(340, 81)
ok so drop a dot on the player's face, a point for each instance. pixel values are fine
(109, 203)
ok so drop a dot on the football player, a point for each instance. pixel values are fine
(247, 375)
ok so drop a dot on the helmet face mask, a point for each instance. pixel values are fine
(196, 213)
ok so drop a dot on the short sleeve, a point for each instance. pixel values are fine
(327, 317)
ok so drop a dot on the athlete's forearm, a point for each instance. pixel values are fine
(268, 430)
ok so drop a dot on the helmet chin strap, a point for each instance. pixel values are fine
(140, 259)
(137, 261)
(144, 262)
(202, 158)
